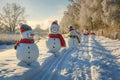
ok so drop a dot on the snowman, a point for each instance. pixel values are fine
(92, 34)
(85, 35)
(73, 40)
(55, 40)
(27, 50)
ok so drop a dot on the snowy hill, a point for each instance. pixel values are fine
(95, 60)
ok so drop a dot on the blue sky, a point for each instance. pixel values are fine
(41, 11)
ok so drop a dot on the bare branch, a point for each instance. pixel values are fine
(11, 15)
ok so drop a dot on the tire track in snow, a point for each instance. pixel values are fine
(85, 56)
(61, 68)
(78, 66)
(94, 57)
(92, 71)
(84, 62)
(57, 68)
(48, 70)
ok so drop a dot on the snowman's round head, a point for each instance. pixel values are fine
(92, 31)
(73, 32)
(54, 28)
(26, 31)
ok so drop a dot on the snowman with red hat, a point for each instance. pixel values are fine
(55, 40)
(73, 40)
(27, 50)
(92, 34)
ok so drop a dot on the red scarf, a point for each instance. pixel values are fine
(85, 34)
(26, 41)
(62, 41)
(77, 32)
(71, 29)
(92, 33)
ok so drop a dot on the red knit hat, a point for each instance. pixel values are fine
(55, 22)
(24, 27)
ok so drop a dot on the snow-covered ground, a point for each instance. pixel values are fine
(94, 60)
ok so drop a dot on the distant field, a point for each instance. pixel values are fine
(9, 38)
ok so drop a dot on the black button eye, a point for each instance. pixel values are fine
(28, 47)
(28, 57)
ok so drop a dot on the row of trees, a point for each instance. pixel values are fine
(93, 14)
(11, 15)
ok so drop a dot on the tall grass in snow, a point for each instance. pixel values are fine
(9, 38)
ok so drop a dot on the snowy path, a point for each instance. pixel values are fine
(51, 69)
(104, 65)
(93, 60)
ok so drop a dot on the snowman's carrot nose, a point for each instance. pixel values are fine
(32, 34)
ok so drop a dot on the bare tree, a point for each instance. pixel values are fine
(11, 15)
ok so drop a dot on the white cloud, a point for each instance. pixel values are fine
(45, 23)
